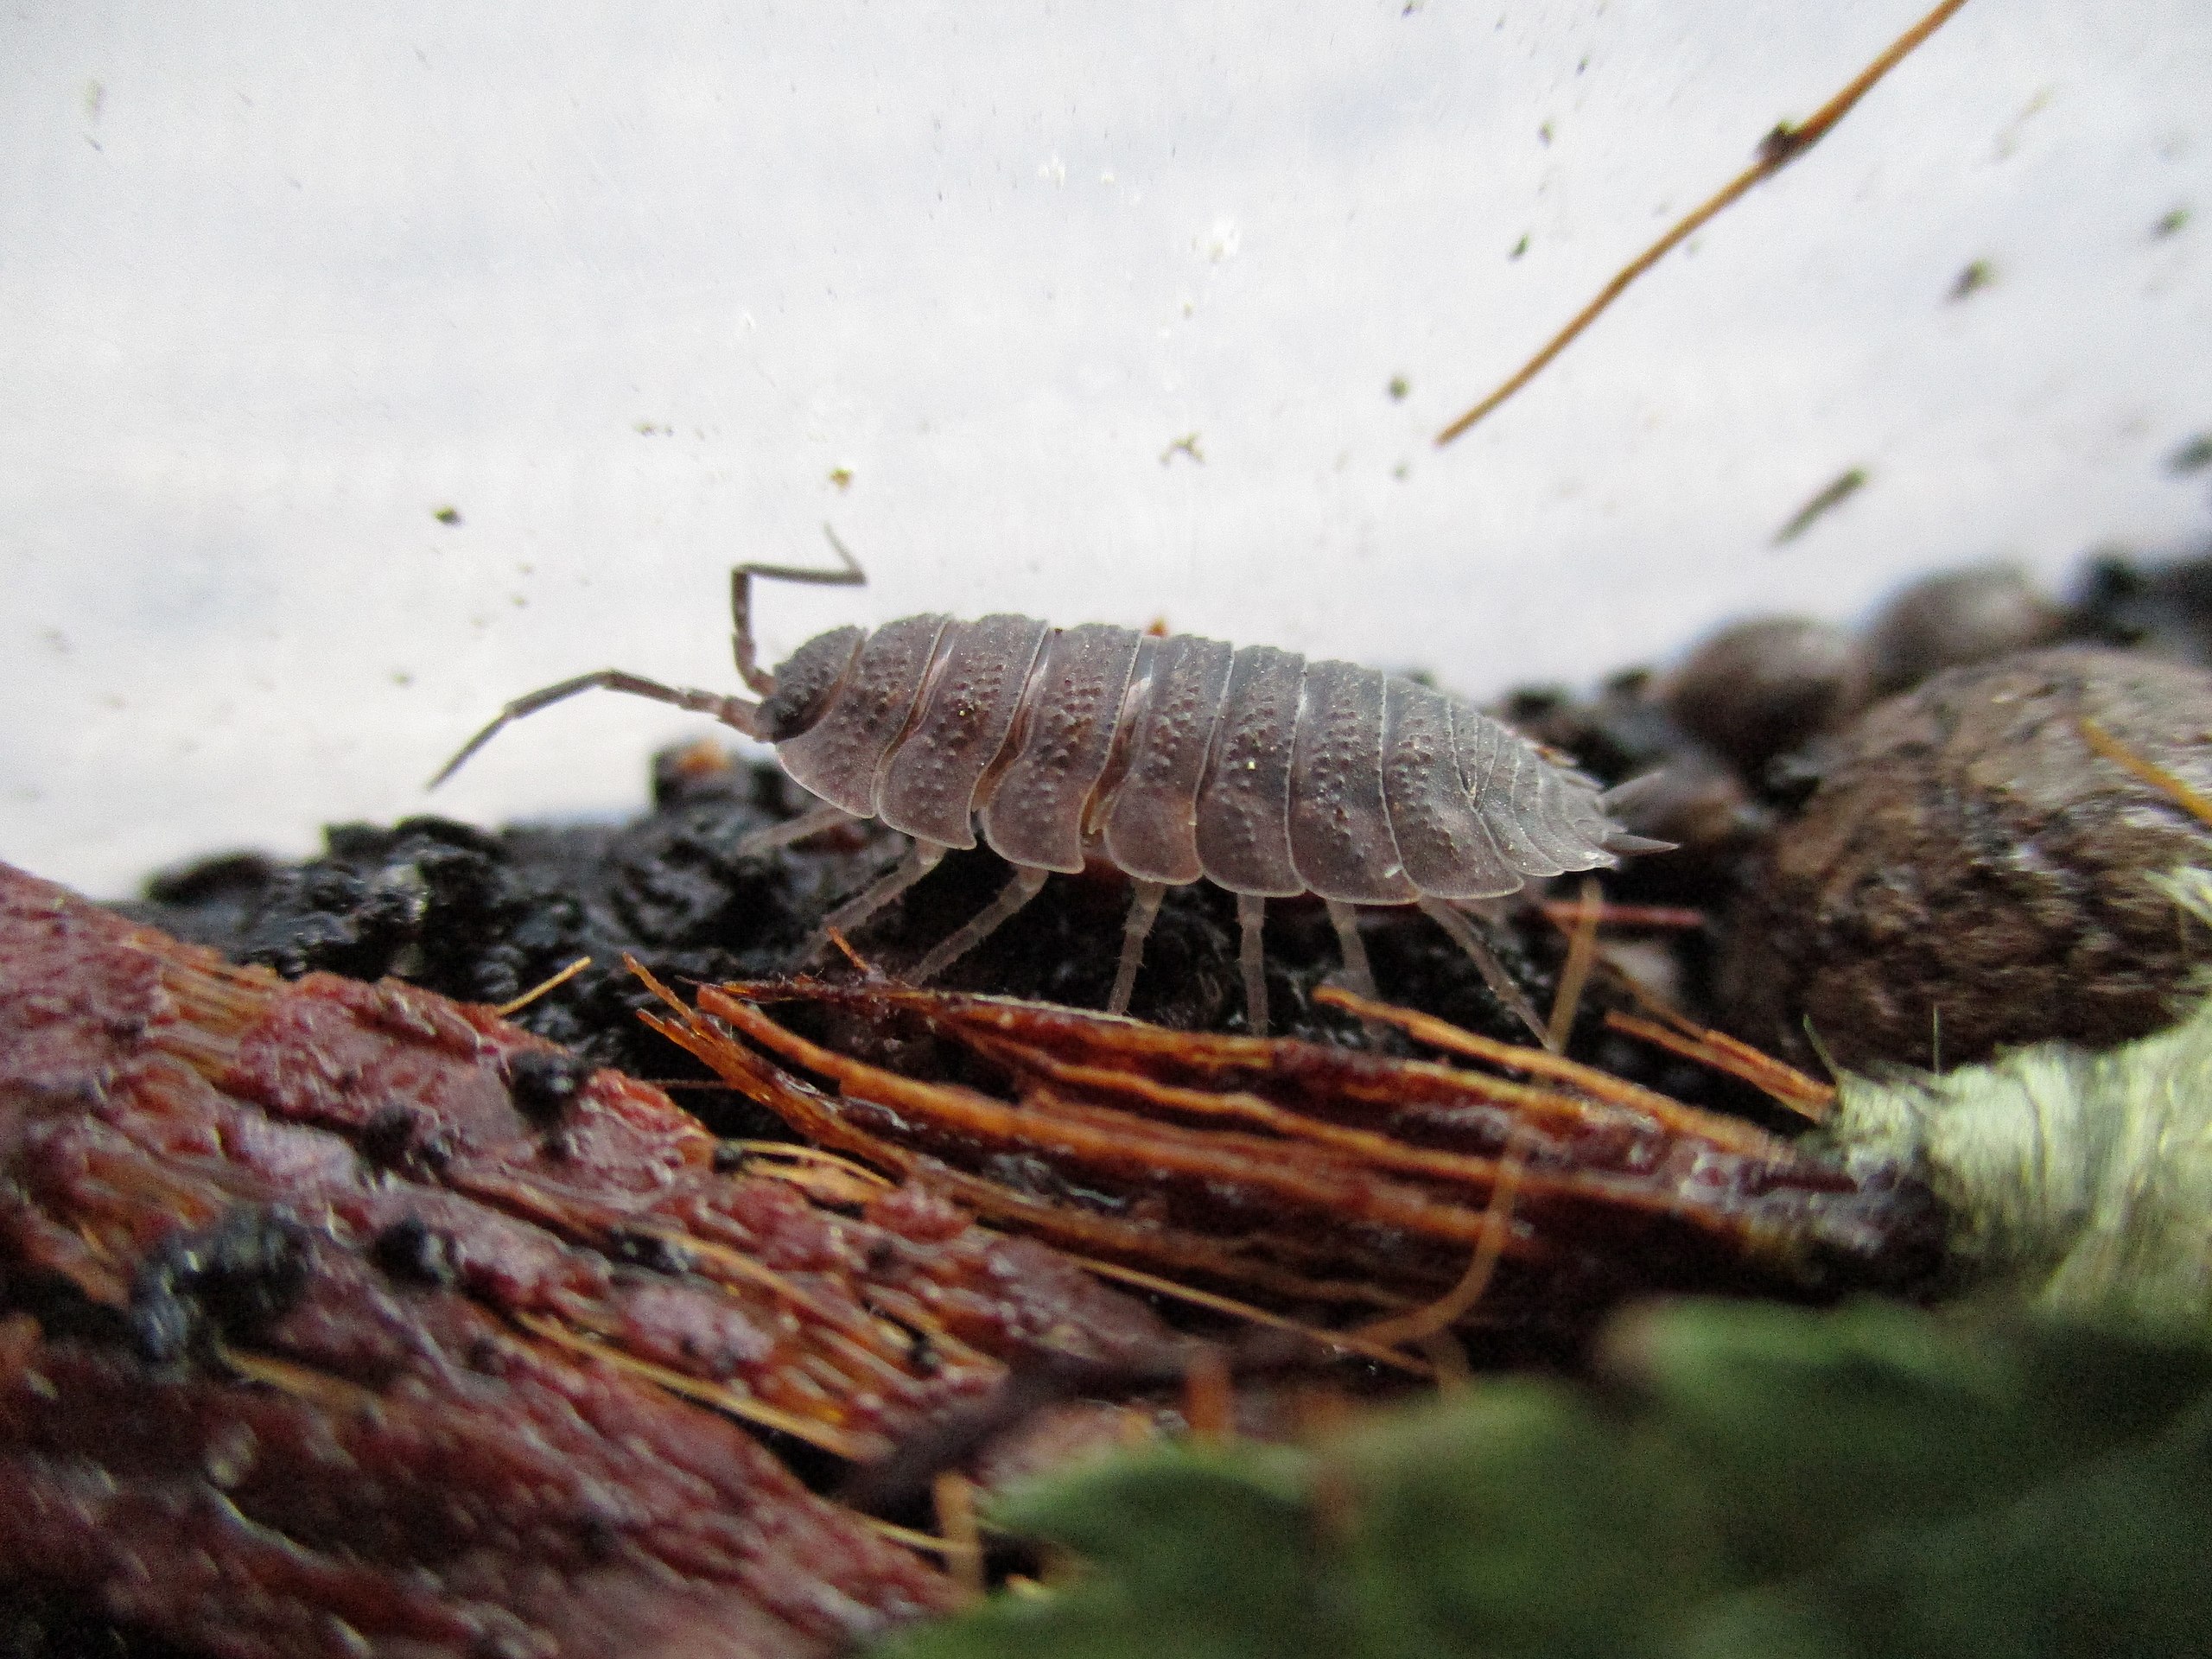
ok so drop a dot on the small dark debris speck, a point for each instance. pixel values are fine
(544, 1082)
(414, 1252)
(388, 1137)
(1831, 497)
(228, 1281)
(2192, 457)
(1976, 277)
(651, 1251)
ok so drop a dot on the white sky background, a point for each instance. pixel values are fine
(278, 281)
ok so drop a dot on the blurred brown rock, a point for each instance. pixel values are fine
(1958, 617)
(1759, 689)
(1970, 874)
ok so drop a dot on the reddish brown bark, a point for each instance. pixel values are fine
(322, 1307)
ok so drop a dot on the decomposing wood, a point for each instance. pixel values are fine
(1285, 1173)
(337, 1314)
(341, 1318)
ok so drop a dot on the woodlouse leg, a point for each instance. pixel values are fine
(741, 604)
(1251, 918)
(921, 858)
(815, 819)
(1493, 971)
(731, 711)
(1358, 974)
(1028, 881)
(1144, 906)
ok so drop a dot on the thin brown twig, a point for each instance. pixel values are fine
(1781, 147)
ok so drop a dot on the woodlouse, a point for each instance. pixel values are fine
(1175, 757)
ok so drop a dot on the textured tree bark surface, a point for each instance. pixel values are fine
(325, 1312)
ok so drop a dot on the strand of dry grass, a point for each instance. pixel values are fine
(2167, 783)
(1575, 973)
(1780, 1082)
(1779, 148)
(508, 1010)
(1441, 1315)
(1732, 1133)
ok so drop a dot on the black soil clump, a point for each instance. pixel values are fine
(485, 916)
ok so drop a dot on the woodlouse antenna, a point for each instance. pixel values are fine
(741, 604)
(734, 712)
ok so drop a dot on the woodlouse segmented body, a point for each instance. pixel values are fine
(1174, 759)
(1177, 758)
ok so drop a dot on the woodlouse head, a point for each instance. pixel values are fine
(805, 683)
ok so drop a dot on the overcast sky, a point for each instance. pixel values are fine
(1089, 312)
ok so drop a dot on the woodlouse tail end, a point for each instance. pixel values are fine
(1624, 805)
(1627, 800)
